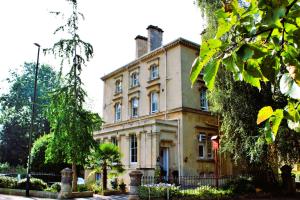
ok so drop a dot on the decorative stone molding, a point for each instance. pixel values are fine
(135, 182)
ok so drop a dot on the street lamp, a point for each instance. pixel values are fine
(31, 124)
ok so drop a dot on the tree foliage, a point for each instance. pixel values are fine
(106, 156)
(258, 43)
(15, 107)
(71, 125)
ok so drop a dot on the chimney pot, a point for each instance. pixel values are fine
(141, 46)
(155, 36)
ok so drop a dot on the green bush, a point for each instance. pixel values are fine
(122, 186)
(8, 182)
(55, 187)
(206, 192)
(97, 189)
(35, 184)
(114, 184)
(158, 191)
(82, 188)
(4, 167)
(241, 185)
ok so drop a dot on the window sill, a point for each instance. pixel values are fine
(152, 80)
(134, 86)
(117, 93)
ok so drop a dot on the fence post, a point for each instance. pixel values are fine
(66, 184)
(135, 182)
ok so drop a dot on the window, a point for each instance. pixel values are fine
(133, 149)
(153, 72)
(114, 141)
(134, 79)
(153, 102)
(205, 150)
(201, 151)
(118, 86)
(134, 107)
(203, 100)
(117, 112)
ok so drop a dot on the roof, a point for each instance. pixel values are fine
(181, 41)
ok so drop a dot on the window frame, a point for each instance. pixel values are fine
(154, 72)
(118, 112)
(133, 149)
(207, 146)
(134, 79)
(118, 87)
(152, 94)
(203, 148)
(133, 107)
(203, 100)
(114, 140)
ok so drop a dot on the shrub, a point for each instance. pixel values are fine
(206, 192)
(114, 184)
(241, 185)
(158, 191)
(55, 187)
(82, 188)
(8, 182)
(97, 189)
(4, 167)
(122, 186)
(35, 184)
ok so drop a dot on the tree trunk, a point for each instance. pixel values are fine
(104, 180)
(74, 182)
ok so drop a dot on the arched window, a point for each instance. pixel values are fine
(203, 100)
(153, 72)
(134, 107)
(153, 102)
(134, 79)
(117, 112)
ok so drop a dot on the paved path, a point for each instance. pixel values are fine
(96, 197)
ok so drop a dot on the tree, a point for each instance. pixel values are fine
(257, 43)
(106, 156)
(71, 125)
(38, 154)
(15, 107)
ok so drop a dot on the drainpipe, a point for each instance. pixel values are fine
(166, 79)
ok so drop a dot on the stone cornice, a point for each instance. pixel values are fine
(179, 41)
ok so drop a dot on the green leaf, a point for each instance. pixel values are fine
(270, 67)
(275, 121)
(253, 69)
(251, 80)
(196, 69)
(245, 52)
(210, 73)
(264, 114)
(268, 133)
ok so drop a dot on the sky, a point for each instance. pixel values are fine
(110, 26)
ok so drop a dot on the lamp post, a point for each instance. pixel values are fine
(32, 120)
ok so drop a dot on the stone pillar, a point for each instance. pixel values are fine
(135, 182)
(66, 184)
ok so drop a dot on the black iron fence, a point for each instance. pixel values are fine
(186, 182)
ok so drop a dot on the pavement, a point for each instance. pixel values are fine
(96, 197)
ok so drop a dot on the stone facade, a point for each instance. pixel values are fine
(170, 127)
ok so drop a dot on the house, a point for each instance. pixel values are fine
(154, 115)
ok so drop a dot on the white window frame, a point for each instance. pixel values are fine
(134, 106)
(203, 100)
(118, 86)
(207, 145)
(118, 112)
(133, 141)
(154, 102)
(154, 73)
(134, 79)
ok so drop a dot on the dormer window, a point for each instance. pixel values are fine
(203, 100)
(118, 112)
(153, 72)
(118, 86)
(134, 79)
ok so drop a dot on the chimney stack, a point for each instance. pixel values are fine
(141, 46)
(154, 37)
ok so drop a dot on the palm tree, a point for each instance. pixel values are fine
(107, 156)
